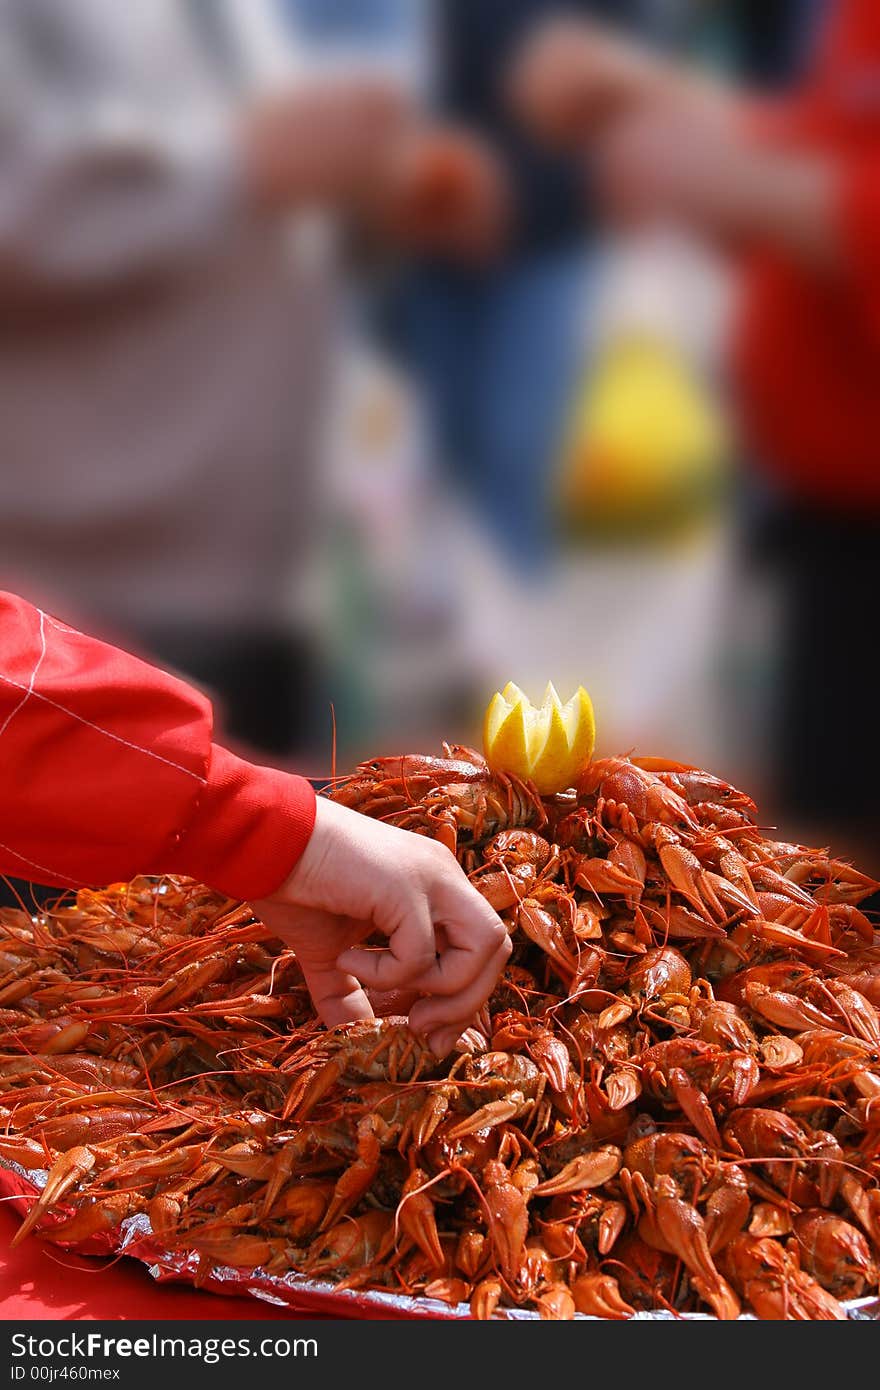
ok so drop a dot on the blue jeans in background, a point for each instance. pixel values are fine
(369, 22)
(498, 354)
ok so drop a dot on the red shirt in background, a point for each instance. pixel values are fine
(108, 769)
(809, 350)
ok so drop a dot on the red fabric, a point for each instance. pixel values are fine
(44, 1283)
(108, 770)
(809, 348)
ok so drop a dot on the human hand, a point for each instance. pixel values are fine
(662, 165)
(442, 192)
(321, 141)
(571, 75)
(659, 165)
(359, 876)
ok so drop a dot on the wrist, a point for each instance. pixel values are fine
(250, 825)
(312, 866)
(274, 173)
(321, 143)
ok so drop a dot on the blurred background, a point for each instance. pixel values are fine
(350, 484)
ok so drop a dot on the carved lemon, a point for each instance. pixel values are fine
(548, 744)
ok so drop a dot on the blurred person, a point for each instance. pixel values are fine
(794, 186)
(162, 348)
(154, 794)
(498, 347)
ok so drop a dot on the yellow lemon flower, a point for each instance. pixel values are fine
(548, 744)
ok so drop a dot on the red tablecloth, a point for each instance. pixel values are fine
(41, 1282)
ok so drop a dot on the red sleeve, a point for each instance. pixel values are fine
(858, 220)
(108, 770)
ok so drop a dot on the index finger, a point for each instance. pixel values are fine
(471, 935)
(410, 953)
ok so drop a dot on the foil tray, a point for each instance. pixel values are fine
(297, 1292)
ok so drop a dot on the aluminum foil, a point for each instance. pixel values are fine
(295, 1291)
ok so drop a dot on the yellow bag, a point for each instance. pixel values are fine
(647, 447)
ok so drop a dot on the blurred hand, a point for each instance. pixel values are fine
(322, 142)
(359, 876)
(571, 76)
(652, 164)
(441, 191)
(662, 165)
(357, 144)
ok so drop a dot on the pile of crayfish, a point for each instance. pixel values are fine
(671, 1100)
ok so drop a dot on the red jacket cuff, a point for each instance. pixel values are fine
(250, 826)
